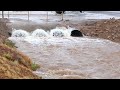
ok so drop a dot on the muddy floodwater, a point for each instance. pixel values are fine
(67, 57)
(72, 57)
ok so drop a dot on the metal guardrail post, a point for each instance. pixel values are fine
(2, 14)
(47, 16)
(8, 14)
(28, 16)
(62, 15)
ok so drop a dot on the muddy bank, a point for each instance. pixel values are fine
(4, 28)
(106, 29)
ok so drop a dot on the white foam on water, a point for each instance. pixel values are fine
(69, 30)
(39, 33)
(57, 33)
(61, 32)
(20, 33)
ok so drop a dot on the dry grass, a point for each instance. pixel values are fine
(14, 55)
(13, 63)
(9, 43)
(11, 70)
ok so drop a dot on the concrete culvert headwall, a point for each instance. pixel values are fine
(76, 33)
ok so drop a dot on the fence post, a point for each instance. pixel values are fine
(47, 16)
(28, 15)
(62, 15)
(2, 14)
(8, 14)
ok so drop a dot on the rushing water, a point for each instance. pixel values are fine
(64, 57)
(39, 33)
(57, 32)
(20, 33)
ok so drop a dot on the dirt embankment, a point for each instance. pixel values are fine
(4, 30)
(106, 29)
(13, 64)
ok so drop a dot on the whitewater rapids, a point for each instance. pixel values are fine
(57, 32)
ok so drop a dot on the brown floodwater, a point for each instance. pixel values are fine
(72, 57)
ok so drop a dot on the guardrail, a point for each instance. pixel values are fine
(27, 14)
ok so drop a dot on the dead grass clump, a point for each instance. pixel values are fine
(11, 70)
(13, 55)
(9, 43)
(15, 65)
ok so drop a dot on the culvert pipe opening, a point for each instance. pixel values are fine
(76, 33)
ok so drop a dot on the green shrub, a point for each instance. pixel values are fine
(35, 66)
